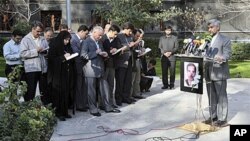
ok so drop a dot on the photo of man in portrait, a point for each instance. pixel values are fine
(190, 75)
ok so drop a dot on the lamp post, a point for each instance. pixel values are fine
(68, 11)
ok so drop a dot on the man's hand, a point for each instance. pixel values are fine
(167, 54)
(113, 50)
(39, 49)
(103, 54)
(98, 51)
(66, 55)
(131, 44)
(219, 59)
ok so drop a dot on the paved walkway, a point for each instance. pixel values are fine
(159, 115)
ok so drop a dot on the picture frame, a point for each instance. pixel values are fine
(191, 74)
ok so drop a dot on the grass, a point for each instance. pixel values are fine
(236, 67)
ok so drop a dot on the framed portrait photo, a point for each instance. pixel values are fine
(191, 73)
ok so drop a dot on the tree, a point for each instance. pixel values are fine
(236, 12)
(22, 9)
(150, 12)
(135, 11)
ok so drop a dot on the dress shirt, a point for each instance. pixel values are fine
(11, 52)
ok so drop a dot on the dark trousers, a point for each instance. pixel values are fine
(123, 78)
(81, 97)
(10, 68)
(166, 66)
(145, 83)
(32, 78)
(44, 91)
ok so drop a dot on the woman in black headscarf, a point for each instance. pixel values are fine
(61, 74)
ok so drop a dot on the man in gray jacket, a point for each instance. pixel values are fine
(34, 63)
(168, 45)
(94, 71)
(217, 73)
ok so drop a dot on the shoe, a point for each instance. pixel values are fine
(128, 101)
(114, 106)
(81, 109)
(139, 97)
(220, 123)
(96, 114)
(102, 108)
(209, 120)
(68, 116)
(132, 99)
(147, 90)
(119, 103)
(164, 87)
(61, 118)
(171, 86)
(113, 111)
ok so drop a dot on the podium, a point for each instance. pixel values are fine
(196, 85)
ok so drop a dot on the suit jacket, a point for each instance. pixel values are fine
(107, 46)
(95, 64)
(218, 71)
(123, 58)
(33, 61)
(168, 44)
(76, 46)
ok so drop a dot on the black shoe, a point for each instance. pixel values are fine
(209, 120)
(68, 116)
(220, 123)
(132, 99)
(171, 86)
(102, 108)
(81, 109)
(118, 103)
(114, 106)
(164, 87)
(128, 101)
(96, 114)
(61, 118)
(113, 111)
(139, 97)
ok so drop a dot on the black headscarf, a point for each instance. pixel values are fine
(57, 44)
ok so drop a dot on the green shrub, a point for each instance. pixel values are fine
(23, 121)
(240, 51)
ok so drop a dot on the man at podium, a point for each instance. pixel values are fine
(217, 73)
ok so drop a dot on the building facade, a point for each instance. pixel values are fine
(53, 12)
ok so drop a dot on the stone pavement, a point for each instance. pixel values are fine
(158, 117)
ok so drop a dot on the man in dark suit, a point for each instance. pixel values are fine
(76, 44)
(168, 45)
(123, 72)
(110, 45)
(94, 71)
(217, 73)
